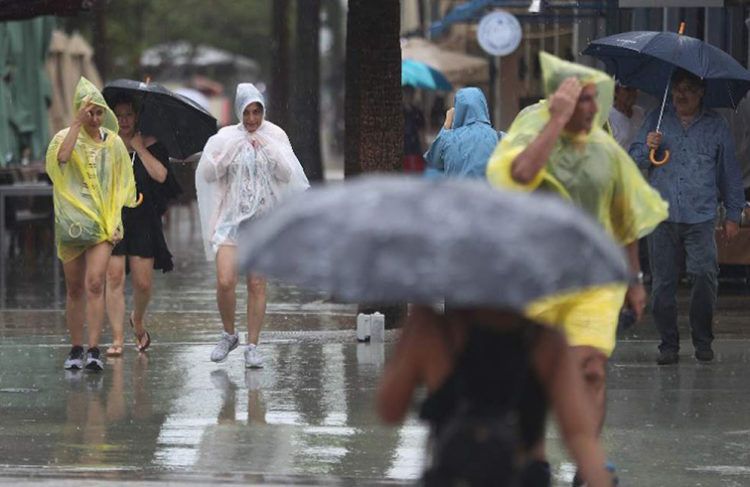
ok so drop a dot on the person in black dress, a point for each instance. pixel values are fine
(490, 377)
(143, 244)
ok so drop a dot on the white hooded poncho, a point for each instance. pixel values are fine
(242, 175)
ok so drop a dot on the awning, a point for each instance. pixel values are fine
(464, 13)
(473, 10)
(458, 68)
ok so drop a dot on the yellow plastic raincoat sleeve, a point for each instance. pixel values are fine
(527, 125)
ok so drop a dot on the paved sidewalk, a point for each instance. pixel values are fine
(172, 417)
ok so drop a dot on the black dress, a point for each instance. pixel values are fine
(143, 233)
(494, 390)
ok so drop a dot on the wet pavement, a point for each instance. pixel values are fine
(172, 417)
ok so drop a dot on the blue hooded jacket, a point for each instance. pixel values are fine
(465, 149)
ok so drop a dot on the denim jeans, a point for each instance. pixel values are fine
(666, 246)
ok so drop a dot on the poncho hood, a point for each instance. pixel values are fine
(86, 89)
(556, 70)
(471, 107)
(246, 94)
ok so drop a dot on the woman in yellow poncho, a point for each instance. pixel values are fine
(93, 179)
(558, 145)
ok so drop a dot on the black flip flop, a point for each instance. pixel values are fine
(140, 348)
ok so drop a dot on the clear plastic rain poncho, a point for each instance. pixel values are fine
(242, 175)
(591, 170)
(91, 188)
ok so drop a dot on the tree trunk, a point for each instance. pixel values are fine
(334, 76)
(374, 117)
(305, 128)
(101, 54)
(278, 103)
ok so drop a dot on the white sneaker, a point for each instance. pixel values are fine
(226, 344)
(253, 358)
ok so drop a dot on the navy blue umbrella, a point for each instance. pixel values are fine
(645, 60)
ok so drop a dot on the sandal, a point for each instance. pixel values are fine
(114, 351)
(139, 338)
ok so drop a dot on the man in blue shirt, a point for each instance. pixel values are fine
(701, 169)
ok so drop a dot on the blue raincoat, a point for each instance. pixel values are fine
(465, 149)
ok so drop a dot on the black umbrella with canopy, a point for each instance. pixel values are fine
(176, 121)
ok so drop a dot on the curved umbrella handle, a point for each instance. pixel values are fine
(139, 200)
(652, 152)
(656, 162)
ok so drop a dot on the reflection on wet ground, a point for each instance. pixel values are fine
(172, 416)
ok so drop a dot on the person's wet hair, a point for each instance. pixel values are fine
(125, 99)
(693, 81)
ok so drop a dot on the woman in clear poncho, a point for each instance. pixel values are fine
(245, 170)
(93, 180)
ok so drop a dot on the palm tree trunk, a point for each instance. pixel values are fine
(374, 119)
(279, 89)
(305, 134)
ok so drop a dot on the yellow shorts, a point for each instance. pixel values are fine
(588, 317)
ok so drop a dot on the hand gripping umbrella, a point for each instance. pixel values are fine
(646, 60)
(176, 121)
(395, 239)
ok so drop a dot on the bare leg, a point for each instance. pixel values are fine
(141, 272)
(75, 298)
(256, 307)
(226, 284)
(97, 258)
(115, 299)
(593, 366)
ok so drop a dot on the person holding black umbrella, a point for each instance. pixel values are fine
(244, 171)
(143, 243)
(701, 170)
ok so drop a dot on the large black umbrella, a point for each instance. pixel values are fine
(392, 239)
(178, 122)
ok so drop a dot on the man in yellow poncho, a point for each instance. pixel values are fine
(93, 179)
(558, 146)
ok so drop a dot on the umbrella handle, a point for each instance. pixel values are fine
(139, 200)
(656, 162)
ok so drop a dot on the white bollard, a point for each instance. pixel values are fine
(363, 327)
(377, 328)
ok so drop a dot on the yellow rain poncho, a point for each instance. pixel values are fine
(597, 175)
(91, 188)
